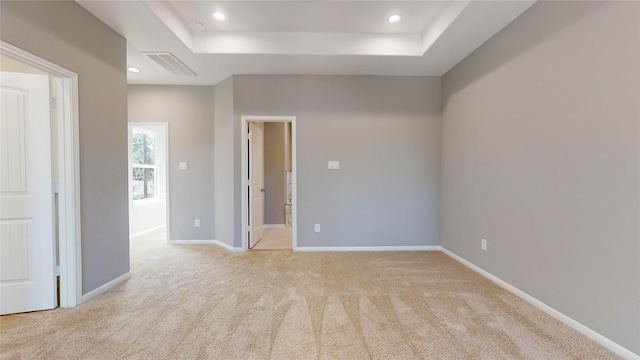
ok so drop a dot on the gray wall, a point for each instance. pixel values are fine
(189, 111)
(224, 158)
(385, 131)
(540, 157)
(67, 35)
(274, 173)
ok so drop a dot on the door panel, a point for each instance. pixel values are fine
(27, 257)
(257, 187)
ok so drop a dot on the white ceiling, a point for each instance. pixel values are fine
(311, 16)
(302, 37)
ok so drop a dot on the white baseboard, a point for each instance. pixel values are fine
(227, 246)
(147, 231)
(193, 242)
(369, 248)
(104, 288)
(273, 226)
(602, 340)
(206, 242)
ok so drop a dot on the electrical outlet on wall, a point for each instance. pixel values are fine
(316, 228)
(196, 223)
(483, 245)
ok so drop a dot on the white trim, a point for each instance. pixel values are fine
(146, 231)
(167, 186)
(69, 221)
(148, 201)
(194, 242)
(370, 248)
(245, 175)
(144, 167)
(106, 287)
(602, 340)
(206, 242)
(227, 246)
(273, 226)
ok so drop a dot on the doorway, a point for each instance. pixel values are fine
(269, 182)
(148, 180)
(40, 225)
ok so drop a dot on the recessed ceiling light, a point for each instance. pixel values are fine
(219, 16)
(394, 18)
(133, 69)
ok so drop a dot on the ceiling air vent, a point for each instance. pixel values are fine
(168, 61)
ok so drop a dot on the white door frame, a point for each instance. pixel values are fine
(68, 224)
(165, 129)
(244, 163)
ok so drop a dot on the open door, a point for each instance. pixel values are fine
(256, 178)
(27, 244)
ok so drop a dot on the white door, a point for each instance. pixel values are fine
(256, 170)
(27, 265)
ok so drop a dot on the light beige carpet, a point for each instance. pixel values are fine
(203, 302)
(273, 239)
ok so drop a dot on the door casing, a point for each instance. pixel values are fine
(245, 175)
(69, 221)
(164, 126)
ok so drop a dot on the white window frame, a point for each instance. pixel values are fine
(156, 138)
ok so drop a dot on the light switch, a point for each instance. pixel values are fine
(182, 165)
(334, 165)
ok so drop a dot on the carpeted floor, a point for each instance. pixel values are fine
(272, 239)
(203, 302)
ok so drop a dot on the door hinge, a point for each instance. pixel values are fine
(56, 188)
(57, 270)
(53, 103)
(249, 135)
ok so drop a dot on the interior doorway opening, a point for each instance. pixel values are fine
(148, 151)
(40, 174)
(269, 182)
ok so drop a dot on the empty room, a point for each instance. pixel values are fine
(320, 179)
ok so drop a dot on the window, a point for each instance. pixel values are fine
(144, 164)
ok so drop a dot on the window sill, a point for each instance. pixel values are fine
(144, 202)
